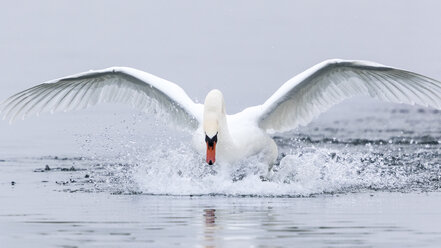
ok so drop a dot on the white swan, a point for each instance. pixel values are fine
(230, 137)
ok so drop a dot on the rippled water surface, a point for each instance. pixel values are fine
(371, 179)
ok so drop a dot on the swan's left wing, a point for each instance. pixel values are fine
(314, 91)
(112, 85)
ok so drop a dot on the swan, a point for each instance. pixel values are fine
(225, 138)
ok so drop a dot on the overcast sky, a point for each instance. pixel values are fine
(247, 49)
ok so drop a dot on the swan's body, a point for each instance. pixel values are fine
(228, 138)
(238, 135)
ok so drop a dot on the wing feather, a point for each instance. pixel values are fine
(112, 85)
(312, 92)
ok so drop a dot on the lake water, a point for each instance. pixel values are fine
(369, 179)
(364, 174)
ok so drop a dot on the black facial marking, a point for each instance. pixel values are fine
(211, 141)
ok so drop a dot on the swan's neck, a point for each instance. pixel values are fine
(215, 118)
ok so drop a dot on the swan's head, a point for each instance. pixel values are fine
(211, 148)
(214, 110)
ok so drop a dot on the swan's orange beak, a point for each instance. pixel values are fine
(211, 153)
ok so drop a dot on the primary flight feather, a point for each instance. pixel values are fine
(227, 138)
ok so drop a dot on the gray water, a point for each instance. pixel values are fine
(371, 179)
(364, 174)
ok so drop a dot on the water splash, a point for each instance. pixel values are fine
(310, 170)
(343, 157)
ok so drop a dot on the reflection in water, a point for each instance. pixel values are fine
(376, 163)
(247, 227)
(210, 227)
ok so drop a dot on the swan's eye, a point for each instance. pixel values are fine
(211, 141)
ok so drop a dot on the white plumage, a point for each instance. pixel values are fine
(314, 91)
(116, 84)
(297, 102)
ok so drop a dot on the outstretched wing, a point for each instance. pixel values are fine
(314, 91)
(112, 85)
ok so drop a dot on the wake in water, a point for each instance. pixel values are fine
(302, 172)
(340, 158)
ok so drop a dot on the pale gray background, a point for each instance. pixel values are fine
(247, 49)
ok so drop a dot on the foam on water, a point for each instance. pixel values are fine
(141, 156)
(163, 169)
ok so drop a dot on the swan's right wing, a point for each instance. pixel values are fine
(312, 92)
(112, 85)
